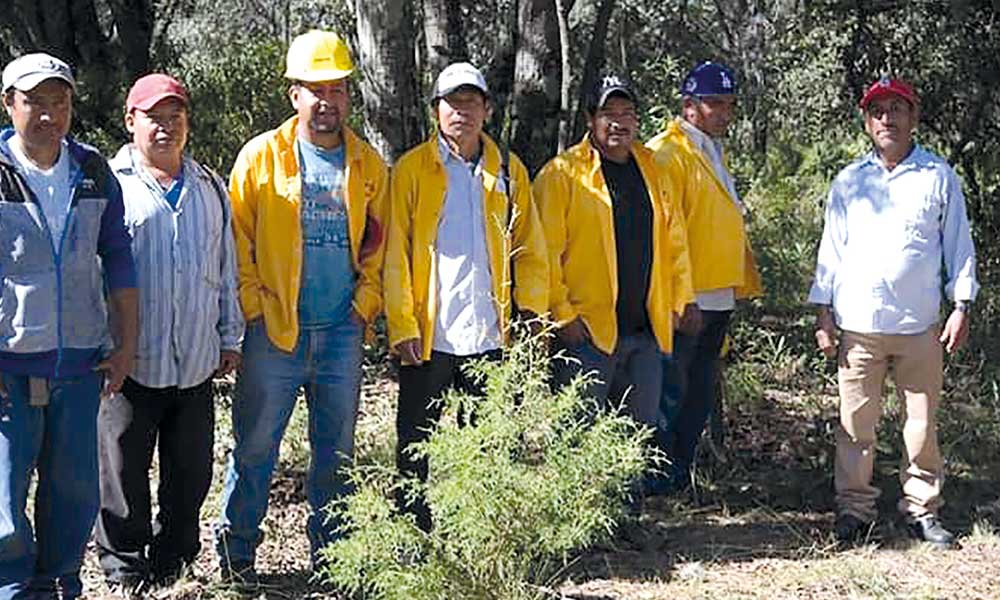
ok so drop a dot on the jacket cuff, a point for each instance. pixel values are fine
(366, 304)
(563, 313)
(403, 329)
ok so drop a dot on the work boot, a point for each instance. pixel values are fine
(852, 530)
(929, 529)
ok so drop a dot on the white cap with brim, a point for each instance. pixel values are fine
(26, 72)
(459, 75)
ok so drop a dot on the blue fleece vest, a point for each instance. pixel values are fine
(53, 316)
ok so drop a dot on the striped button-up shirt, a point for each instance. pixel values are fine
(886, 237)
(186, 262)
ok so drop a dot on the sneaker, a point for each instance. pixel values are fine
(929, 529)
(852, 530)
(239, 573)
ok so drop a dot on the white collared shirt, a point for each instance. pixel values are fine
(886, 236)
(467, 321)
(722, 298)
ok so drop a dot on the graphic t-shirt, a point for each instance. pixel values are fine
(327, 285)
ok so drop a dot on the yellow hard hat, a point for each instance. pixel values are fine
(318, 56)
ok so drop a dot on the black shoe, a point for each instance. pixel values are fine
(851, 530)
(239, 573)
(929, 529)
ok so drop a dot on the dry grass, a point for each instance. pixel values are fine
(758, 527)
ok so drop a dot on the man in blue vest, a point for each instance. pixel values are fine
(60, 211)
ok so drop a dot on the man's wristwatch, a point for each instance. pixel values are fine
(963, 306)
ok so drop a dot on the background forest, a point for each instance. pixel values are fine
(754, 525)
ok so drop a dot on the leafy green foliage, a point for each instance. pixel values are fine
(536, 476)
(234, 97)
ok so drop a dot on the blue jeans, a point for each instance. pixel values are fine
(327, 362)
(689, 379)
(60, 441)
(632, 371)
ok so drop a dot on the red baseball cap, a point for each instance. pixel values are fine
(150, 89)
(886, 87)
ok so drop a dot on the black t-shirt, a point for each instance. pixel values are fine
(633, 242)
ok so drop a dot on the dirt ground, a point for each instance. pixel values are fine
(757, 524)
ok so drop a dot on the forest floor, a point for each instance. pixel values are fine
(756, 525)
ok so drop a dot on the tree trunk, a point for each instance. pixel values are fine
(499, 74)
(535, 117)
(593, 65)
(565, 76)
(105, 64)
(134, 28)
(394, 113)
(753, 52)
(444, 35)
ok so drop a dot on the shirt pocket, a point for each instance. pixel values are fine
(210, 260)
(208, 244)
(922, 218)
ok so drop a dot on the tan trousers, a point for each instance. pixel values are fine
(916, 363)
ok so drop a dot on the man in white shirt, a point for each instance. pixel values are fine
(448, 284)
(190, 330)
(892, 218)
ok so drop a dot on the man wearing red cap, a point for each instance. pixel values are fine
(190, 330)
(893, 218)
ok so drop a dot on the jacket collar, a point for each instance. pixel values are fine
(489, 161)
(287, 134)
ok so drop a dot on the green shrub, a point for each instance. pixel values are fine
(537, 476)
(234, 97)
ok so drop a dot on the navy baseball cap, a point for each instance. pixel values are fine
(610, 85)
(709, 79)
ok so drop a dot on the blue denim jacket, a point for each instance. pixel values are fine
(53, 318)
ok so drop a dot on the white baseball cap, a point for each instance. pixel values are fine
(26, 72)
(457, 75)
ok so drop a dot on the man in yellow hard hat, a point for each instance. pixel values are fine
(309, 202)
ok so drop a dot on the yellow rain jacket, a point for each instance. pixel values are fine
(720, 251)
(266, 191)
(417, 195)
(575, 207)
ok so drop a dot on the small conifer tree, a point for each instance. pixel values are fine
(535, 476)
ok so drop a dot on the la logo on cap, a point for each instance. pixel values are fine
(726, 82)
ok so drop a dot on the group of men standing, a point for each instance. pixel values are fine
(637, 252)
